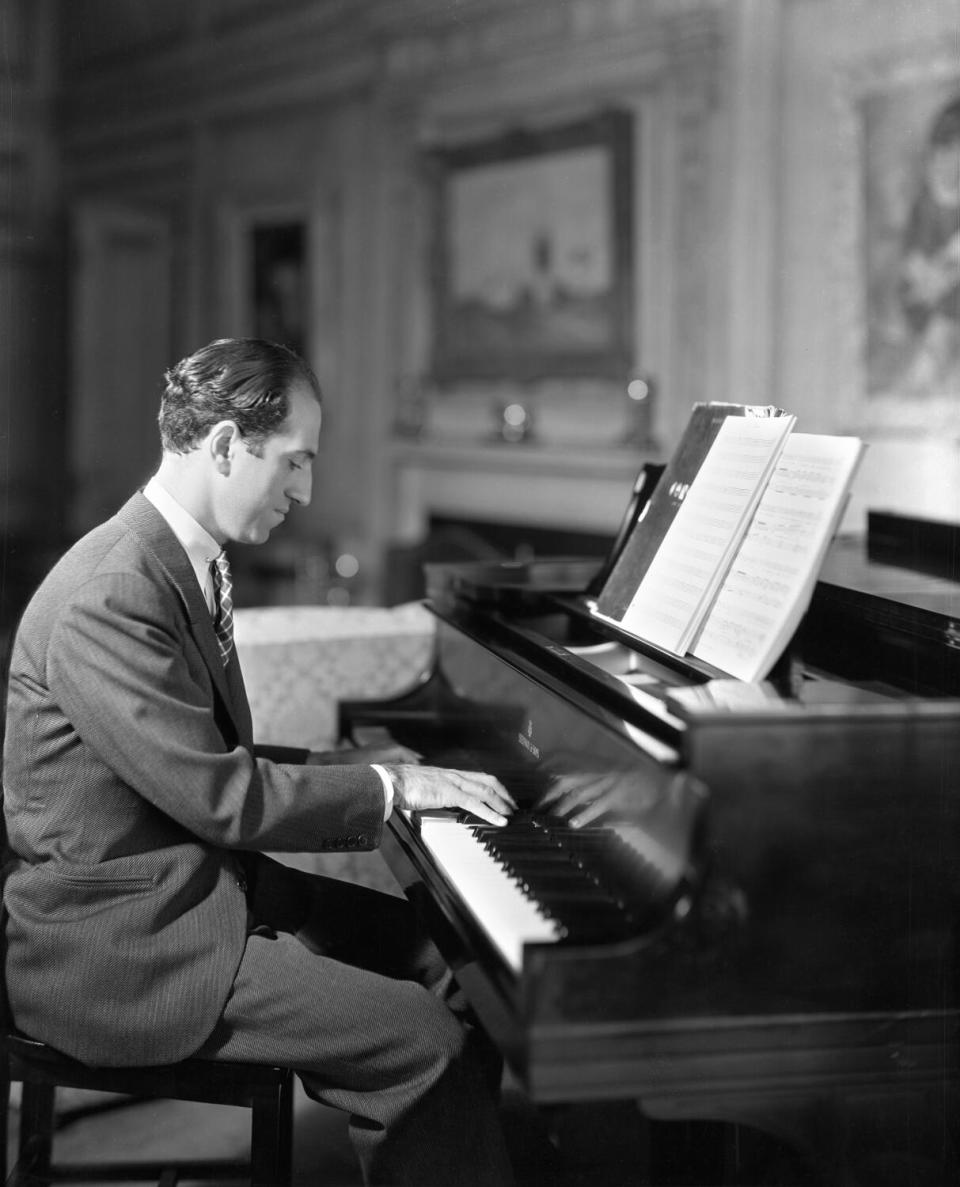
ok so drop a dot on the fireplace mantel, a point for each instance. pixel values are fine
(556, 486)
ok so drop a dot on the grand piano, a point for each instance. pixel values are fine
(726, 902)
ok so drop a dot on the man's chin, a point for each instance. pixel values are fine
(255, 535)
(259, 532)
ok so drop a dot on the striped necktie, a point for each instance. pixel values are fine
(223, 599)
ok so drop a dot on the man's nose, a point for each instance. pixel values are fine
(300, 490)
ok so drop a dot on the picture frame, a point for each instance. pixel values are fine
(886, 105)
(278, 281)
(533, 256)
(912, 239)
(266, 272)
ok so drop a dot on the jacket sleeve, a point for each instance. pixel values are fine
(126, 671)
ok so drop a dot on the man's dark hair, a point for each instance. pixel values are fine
(246, 380)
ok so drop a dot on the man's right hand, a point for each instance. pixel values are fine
(419, 788)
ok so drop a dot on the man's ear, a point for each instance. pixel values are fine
(221, 442)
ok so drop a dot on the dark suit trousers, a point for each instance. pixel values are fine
(339, 982)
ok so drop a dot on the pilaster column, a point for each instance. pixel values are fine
(754, 72)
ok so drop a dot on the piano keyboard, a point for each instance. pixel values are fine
(533, 881)
(505, 912)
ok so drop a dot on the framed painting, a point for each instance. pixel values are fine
(265, 273)
(911, 239)
(278, 281)
(533, 255)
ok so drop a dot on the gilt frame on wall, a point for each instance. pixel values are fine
(532, 267)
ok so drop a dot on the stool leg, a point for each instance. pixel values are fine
(271, 1139)
(5, 1105)
(36, 1131)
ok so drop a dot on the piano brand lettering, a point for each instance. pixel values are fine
(526, 740)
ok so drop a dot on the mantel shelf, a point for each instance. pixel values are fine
(552, 485)
(615, 462)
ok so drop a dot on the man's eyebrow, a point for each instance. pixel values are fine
(307, 453)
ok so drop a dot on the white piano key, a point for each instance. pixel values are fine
(501, 908)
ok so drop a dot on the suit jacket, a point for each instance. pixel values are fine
(135, 803)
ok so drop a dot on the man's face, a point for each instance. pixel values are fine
(260, 490)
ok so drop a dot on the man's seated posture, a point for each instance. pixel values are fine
(144, 925)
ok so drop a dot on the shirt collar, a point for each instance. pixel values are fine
(199, 545)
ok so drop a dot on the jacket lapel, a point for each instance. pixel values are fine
(141, 517)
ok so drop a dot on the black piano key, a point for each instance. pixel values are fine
(525, 859)
(551, 877)
(518, 840)
(555, 880)
(587, 879)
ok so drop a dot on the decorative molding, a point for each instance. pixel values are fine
(752, 170)
(576, 489)
(216, 68)
(599, 32)
(135, 165)
(591, 462)
(168, 101)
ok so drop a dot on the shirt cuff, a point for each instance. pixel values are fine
(387, 789)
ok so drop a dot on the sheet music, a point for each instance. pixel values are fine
(672, 597)
(632, 555)
(771, 580)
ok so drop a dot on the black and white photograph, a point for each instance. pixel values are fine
(480, 593)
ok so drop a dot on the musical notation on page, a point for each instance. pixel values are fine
(771, 580)
(672, 598)
(647, 529)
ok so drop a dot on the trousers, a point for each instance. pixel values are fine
(340, 983)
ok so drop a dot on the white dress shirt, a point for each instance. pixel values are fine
(199, 545)
(202, 550)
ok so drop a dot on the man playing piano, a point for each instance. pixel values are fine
(144, 923)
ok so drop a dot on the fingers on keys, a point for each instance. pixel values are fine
(483, 795)
(422, 788)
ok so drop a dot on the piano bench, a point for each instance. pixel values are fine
(266, 1091)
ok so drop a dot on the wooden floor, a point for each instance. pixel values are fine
(583, 1146)
(99, 1127)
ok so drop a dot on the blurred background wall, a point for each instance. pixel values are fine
(487, 224)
